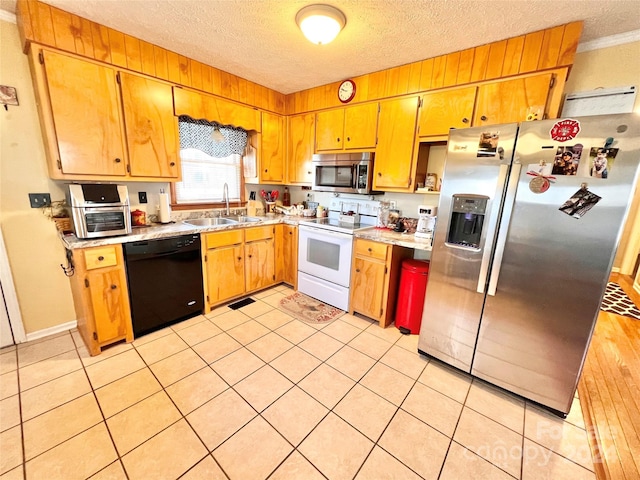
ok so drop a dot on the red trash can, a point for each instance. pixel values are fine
(413, 283)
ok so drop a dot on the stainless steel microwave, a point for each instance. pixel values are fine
(99, 209)
(343, 172)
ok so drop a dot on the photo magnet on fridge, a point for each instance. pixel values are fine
(567, 160)
(601, 161)
(580, 203)
(488, 145)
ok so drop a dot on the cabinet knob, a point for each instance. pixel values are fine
(348, 139)
(308, 173)
(250, 256)
(357, 270)
(465, 120)
(290, 233)
(113, 287)
(100, 258)
(172, 164)
(338, 139)
(239, 258)
(266, 170)
(379, 174)
(118, 160)
(369, 250)
(483, 118)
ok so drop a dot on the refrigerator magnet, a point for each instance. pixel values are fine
(565, 130)
(488, 144)
(580, 203)
(601, 160)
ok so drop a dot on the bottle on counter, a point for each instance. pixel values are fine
(286, 198)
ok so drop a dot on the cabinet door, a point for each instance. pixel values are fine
(441, 111)
(300, 148)
(290, 254)
(85, 105)
(360, 126)
(259, 264)
(225, 273)
(394, 167)
(329, 129)
(367, 287)
(513, 100)
(150, 127)
(109, 302)
(272, 154)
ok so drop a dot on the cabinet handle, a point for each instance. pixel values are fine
(483, 118)
(465, 120)
(100, 258)
(113, 287)
(172, 164)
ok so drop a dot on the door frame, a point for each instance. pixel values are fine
(10, 296)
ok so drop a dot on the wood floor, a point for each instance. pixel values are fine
(609, 392)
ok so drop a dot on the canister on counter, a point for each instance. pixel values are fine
(138, 218)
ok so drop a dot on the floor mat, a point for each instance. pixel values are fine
(241, 303)
(617, 301)
(309, 309)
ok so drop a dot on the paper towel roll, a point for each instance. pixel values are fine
(164, 208)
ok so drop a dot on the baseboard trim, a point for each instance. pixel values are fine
(615, 270)
(46, 332)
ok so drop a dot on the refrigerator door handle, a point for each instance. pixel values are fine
(509, 201)
(491, 229)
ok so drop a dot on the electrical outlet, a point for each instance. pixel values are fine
(38, 200)
(392, 204)
(142, 197)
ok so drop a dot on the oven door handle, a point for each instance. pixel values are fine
(355, 171)
(102, 209)
(324, 232)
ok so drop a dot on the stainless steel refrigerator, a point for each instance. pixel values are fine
(529, 219)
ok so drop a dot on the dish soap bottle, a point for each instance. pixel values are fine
(286, 198)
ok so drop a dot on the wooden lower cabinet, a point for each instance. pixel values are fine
(287, 254)
(100, 296)
(375, 277)
(237, 262)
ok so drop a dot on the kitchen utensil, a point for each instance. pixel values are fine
(274, 195)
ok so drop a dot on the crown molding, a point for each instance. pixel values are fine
(610, 41)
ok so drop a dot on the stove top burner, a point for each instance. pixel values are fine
(334, 225)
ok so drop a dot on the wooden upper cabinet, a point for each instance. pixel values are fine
(513, 100)
(300, 148)
(329, 129)
(85, 107)
(349, 128)
(272, 151)
(394, 166)
(150, 126)
(441, 111)
(214, 109)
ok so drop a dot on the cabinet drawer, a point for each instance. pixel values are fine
(100, 257)
(221, 239)
(258, 233)
(371, 249)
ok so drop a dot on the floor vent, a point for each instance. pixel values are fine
(241, 303)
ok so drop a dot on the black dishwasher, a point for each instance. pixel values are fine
(165, 281)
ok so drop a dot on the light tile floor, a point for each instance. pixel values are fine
(255, 394)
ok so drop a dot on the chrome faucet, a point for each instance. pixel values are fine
(225, 198)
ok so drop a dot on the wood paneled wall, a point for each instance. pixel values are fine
(47, 25)
(537, 51)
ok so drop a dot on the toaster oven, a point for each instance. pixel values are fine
(99, 209)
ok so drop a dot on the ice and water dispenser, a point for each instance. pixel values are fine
(467, 218)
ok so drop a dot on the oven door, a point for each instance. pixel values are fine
(325, 254)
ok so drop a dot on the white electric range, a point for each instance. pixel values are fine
(325, 247)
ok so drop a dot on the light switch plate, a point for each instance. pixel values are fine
(142, 197)
(38, 200)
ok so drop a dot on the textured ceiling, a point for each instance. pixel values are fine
(260, 41)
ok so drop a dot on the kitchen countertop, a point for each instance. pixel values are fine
(156, 231)
(383, 235)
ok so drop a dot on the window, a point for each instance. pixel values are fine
(211, 155)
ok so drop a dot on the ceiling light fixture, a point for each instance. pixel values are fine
(320, 23)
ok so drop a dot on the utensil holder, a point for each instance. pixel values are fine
(271, 207)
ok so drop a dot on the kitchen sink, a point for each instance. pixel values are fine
(209, 222)
(243, 219)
